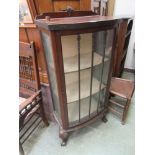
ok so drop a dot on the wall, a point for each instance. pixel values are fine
(127, 7)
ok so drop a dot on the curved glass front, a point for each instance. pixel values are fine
(86, 59)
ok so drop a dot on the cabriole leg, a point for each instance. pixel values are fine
(64, 137)
(104, 119)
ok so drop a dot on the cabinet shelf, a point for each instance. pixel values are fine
(73, 108)
(71, 63)
(72, 86)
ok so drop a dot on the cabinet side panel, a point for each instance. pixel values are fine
(51, 71)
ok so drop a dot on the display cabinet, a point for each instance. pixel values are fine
(79, 54)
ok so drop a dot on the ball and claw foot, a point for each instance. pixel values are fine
(104, 119)
(122, 122)
(63, 143)
(64, 136)
(46, 124)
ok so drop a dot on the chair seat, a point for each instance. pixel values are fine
(122, 87)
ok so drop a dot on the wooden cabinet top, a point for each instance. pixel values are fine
(75, 22)
(70, 19)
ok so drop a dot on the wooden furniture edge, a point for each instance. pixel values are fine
(29, 100)
(28, 25)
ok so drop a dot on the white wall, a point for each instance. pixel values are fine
(125, 8)
(122, 8)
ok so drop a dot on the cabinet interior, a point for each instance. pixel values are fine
(86, 61)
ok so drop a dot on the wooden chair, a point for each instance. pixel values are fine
(31, 111)
(121, 93)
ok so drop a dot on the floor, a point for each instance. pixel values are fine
(109, 138)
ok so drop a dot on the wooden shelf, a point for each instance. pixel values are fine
(72, 85)
(71, 63)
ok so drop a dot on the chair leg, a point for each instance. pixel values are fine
(104, 119)
(43, 114)
(21, 150)
(125, 111)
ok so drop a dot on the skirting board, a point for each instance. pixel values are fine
(129, 70)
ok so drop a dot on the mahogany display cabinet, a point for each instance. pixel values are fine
(79, 55)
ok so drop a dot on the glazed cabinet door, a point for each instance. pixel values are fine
(86, 64)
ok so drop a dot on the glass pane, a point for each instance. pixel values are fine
(50, 64)
(103, 46)
(24, 12)
(86, 59)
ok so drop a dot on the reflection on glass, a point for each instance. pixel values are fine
(24, 13)
(86, 74)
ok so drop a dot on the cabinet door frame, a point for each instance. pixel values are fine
(59, 68)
